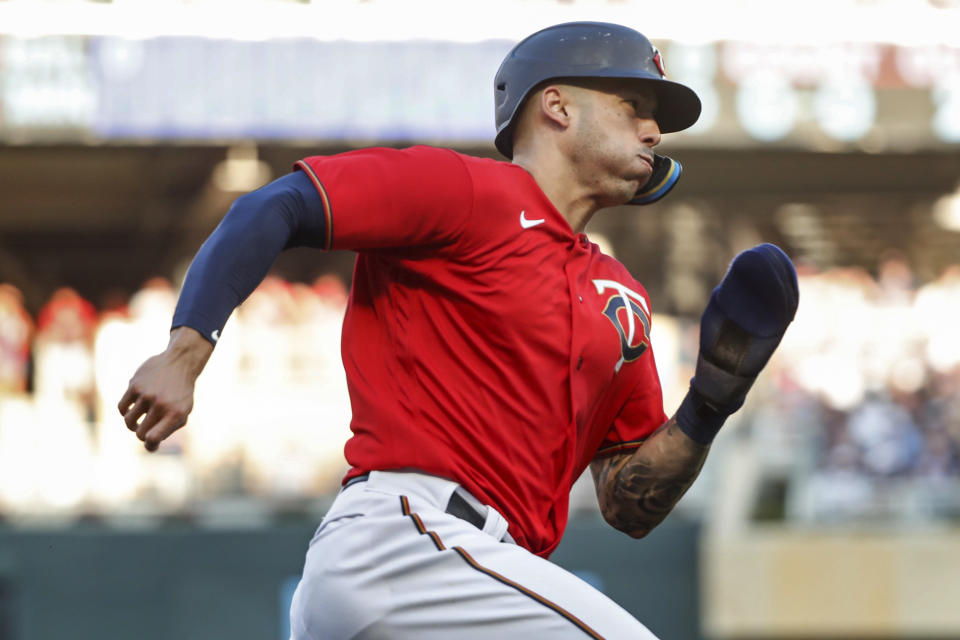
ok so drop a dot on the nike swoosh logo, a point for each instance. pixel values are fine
(215, 335)
(526, 224)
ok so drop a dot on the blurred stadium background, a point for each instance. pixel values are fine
(829, 507)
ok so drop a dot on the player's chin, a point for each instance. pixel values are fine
(636, 173)
(640, 179)
(620, 194)
(633, 181)
(622, 185)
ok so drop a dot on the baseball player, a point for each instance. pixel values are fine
(492, 352)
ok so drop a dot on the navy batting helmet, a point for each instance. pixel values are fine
(587, 50)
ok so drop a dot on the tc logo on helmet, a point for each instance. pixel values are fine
(658, 60)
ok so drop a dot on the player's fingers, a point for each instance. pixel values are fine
(128, 399)
(154, 415)
(163, 430)
(133, 413)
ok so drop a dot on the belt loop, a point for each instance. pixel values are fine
(495, 524)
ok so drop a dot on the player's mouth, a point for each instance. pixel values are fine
(647, 158)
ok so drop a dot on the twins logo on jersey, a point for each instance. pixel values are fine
(629, 306)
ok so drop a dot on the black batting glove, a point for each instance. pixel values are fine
(743, 323)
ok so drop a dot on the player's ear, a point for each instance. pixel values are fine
(555, 103)
(545, 109)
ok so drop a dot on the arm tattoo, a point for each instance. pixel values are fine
(637, 490)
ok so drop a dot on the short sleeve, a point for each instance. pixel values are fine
(381, 198)
(641, 415)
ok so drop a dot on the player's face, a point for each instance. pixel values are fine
(614, 137)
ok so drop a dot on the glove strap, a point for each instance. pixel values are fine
(700, 419)
(718, 386)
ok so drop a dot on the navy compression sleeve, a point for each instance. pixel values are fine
(236, 257)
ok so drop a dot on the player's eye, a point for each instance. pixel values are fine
(640, 110)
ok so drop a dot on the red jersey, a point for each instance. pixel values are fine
(484, 341)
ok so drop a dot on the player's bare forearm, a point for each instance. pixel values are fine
(637, 490)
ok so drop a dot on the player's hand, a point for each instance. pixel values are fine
(743, 323)
(160, 394)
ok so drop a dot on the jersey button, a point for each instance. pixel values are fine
(580, 298)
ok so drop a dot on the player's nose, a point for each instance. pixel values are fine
(649, 132)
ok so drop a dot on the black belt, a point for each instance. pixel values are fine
(457, 506)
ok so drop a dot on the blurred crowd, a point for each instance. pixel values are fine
(859, 410)
(270, 418)
(864, 409)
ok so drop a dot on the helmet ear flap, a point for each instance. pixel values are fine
(500, 94)
(504, 139)
(666, 172)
